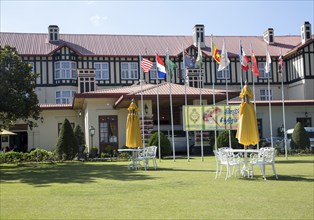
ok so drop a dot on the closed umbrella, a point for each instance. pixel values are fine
(247, 132)
(133, 133)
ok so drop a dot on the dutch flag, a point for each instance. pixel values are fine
(160, 67)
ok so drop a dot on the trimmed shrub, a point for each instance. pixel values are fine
(12, 157)
(223, 139)
(79, 135)
(164, 143)
(299, 139)
(36, 155)
(67, 146)
(41, 155)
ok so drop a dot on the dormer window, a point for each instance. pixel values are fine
(305, 32)
(199, 33)
(53, 33)
(269, 36)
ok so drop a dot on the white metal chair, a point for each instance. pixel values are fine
(148, 153)
(229, 160)
(266, 156)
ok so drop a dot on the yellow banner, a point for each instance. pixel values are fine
(210, 117)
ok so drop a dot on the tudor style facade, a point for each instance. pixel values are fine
(90, 79)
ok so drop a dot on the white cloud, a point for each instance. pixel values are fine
(96, 20)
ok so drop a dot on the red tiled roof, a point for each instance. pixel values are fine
(133, 45)
(123, 95)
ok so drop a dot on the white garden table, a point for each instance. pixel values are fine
(246, 171)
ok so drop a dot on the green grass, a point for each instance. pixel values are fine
(177, 190)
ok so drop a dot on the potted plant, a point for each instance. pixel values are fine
(93, 152)
(109, 149)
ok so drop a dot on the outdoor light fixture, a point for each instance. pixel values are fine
(42, 119)
(91, 130)
(92, 133)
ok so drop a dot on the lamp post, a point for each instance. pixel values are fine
(91, 132)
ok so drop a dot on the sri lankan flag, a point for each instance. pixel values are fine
(215, 53)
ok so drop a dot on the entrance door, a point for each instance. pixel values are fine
(20, 141)
(108, 132)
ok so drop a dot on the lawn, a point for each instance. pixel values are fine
(176, 190)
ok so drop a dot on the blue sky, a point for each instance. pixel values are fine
(223, 18)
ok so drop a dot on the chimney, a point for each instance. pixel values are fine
(53, 33)
(269, 36)
(306, 32)
(199, 32)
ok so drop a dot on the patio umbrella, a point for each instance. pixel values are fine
(133, 133)
(247, 132)
(6, 132)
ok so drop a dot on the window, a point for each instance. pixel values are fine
(129, 70)
(224, 74)
(65, 70)
(264, 94)
(262, 73)
(153, 72)
(102, 71)
(64, 97)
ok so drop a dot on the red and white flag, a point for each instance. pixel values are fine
(146, 65)
(244, 61)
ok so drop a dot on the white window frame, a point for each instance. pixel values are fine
(65, 70)
(129, 70)
(64, 96)
(262, 73)
(101, 70)
(224, 73)
(264, 94)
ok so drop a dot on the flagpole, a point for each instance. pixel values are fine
(283, 107)
(269, 102)
(224, 63)
(214, 95)
(253, 80)
(142, 104)
(157, 76)
(186, 103)
(170, 96)
(200, 85)
(227, 96)
(240, 63)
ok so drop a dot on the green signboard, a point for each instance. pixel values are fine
(211, 117)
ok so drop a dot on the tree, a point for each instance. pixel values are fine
(17, 82)
(299, 138)
(164, 143)
(67, 146)
(223, 140)
(79, 135)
